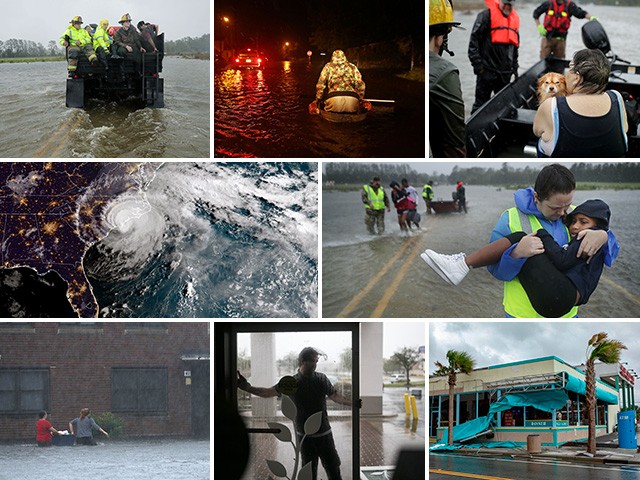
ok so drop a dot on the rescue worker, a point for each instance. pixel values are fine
(427, 194)
(344, 84)
(102, 42)
(77, 41)
(446, 107)
(127, 40)
(148, 33)
(375, 200)
(555, 25)
(493, 49)
(461, 196)
(543, 206)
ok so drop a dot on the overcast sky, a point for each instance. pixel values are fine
(395, 336)
(492, 343)
(446, 167)
(41, 20)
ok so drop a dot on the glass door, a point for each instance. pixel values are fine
(277, 412)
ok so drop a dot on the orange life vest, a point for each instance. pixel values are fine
(504, 29)
(557, 17)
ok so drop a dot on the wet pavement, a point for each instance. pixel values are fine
(381, 438)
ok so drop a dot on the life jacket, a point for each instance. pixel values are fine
(427, 192)
(516, 302)
(557, 17)
(505, 30)
(375, 199)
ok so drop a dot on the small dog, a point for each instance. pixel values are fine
(551, 85)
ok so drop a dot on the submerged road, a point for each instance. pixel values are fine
(383, 276)
(451, 466)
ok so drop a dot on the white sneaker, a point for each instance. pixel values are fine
(452, 268)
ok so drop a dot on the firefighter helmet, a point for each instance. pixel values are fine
(76, 19)
(441, 14)
(125, 18)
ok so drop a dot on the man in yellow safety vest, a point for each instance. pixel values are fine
(543, 206)
(375, 200)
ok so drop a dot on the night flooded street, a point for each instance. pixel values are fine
(263, 113)
(122, 460)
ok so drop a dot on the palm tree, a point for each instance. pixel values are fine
(459, 362)
(606, 351)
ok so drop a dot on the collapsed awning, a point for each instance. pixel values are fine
(545, 400)
(576, 385)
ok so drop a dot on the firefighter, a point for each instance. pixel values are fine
(77, 41)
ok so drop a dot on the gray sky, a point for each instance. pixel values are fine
(395, 336)
(492, 343)
(41, 20)
(446, 167)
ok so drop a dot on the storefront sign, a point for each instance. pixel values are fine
(545, 423)
(624, 373)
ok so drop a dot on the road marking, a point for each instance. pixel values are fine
(631, 296)
(391, 291)
(570, 464)
(61, 131)
(355, 301)
(467, 475)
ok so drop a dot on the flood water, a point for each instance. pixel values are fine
(263, 113)
(122, 460)
(618, 22)
(36, 123)
(365, 276)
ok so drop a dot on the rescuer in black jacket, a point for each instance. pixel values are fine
(494, 60)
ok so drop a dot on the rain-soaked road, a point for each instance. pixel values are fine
(263, 113)
(451, 466)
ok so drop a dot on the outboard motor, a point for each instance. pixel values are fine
(594, 36)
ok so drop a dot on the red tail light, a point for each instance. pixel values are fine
(237, 60)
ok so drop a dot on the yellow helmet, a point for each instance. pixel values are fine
(104, 23)
(125, 18)
(76, 19)
(441, 13)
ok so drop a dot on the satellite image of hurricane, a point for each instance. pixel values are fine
(158, 240)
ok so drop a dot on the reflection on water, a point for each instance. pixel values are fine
(263, 113)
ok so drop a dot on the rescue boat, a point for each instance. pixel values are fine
(504, 125)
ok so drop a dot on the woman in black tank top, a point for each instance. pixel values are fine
(593, 122)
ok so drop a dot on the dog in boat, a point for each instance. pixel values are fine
(551, 85)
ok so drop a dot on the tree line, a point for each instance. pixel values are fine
(18, 48)
(361, 173)
(188, 45)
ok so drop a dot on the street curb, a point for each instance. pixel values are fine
(611, 460)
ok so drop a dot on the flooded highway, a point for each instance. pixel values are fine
(263, 113)
(384, 276)
(35, 122)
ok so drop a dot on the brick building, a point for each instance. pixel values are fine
(154, 376)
